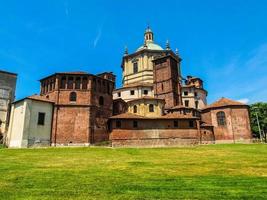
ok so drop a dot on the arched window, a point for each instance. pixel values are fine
(151, 108)
(73, 96)
(135, 109)
(221, 118)
(101, 101)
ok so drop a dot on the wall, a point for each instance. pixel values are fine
(16, 128)
(145, 67)
(163, 133)
(138, 92)
(7, 96)
(201, 97)
(237, 128)
(143, 107)
(38, 135)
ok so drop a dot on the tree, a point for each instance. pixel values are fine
(259, 110)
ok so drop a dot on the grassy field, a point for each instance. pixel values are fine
(203, 172)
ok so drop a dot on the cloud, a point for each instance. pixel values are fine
(243, 76)
(245, 101)
(66, 6)
(98, 36)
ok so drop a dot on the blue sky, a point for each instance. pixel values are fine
(223, 42)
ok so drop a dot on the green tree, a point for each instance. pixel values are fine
(260, 110)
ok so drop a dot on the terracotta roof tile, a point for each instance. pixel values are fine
(223, 102)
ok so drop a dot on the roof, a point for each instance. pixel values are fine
(151, 46)
(10, 73)
(146, 98)
(36, 98)
(135, 85)
(167, 116)
(224, 102)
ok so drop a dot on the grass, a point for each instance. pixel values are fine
(202, 172)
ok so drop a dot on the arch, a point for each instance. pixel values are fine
(221, 120)
(101, 101)
(151, 108)
(73, 97)
(135, 109)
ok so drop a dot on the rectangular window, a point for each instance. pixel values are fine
(195, 94)
(196, 104)
(63, 83)
(132, 92)
(135, 124)
(135, 67)
(70, 83)
(191, 124)
(186, 103)
(78, 83)
(84, 83)
(118, 124)
(185, 93)
(145, 92)
(119, 94)
(41, 118)
(175, 123)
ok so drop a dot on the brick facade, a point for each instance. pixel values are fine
(166, 80)
(83, 104)
(231, 122)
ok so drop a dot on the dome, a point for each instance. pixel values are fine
(151, 46)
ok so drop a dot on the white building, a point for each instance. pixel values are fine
(193, 93)
(30, 123)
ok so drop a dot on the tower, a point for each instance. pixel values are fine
(166, 79)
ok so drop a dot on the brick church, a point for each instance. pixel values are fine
(156, 106)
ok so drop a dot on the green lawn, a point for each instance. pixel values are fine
(202, 172)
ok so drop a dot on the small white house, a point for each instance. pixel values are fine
(30, 123)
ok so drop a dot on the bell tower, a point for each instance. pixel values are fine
(166, 79)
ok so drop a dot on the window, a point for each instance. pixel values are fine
(185, 93)
(132, 92)
(145, 92)
(135, 109)
(151, 108)
(70, 83)
(175, 123)
(41, 118)
(221, 118)
(135, 67)
(191, 124)
(73, 96)
(162, 88)
(135, 124)
(63, 83)
(101, 100)
(186, 103)
(118, 124)
(196, 104)
(84, 83)
(195, 94)
(119, 94)
(78, 83)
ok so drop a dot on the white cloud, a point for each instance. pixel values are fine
(245, 101)
(98, 36)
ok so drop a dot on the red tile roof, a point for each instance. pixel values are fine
(224, 102)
